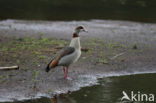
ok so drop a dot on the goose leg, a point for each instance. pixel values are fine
(66, 74)
(65, 70)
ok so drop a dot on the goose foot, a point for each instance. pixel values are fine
(68, 78)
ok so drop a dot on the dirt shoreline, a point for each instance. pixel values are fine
(38, 40)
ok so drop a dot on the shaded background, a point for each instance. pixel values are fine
(134, 10)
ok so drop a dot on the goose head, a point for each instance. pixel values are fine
(78, 30)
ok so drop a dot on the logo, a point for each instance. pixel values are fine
(138, 96)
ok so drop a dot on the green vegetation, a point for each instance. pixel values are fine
(17, 62)
(28, 51)
(35, 53)
(35, 75)
(34, 79)
(4, 49)
(2, 78)
(42, 57)
(31, 44)
(101, 50)
(102, 60)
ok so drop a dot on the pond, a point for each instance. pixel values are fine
(108, 90)
(134, 10)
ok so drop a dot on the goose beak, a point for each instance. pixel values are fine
(85, 30)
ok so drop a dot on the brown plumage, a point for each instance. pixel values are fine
(75, 35)
(53, 63)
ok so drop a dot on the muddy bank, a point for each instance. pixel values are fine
(31, 44)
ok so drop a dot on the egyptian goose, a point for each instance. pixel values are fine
(69, 54)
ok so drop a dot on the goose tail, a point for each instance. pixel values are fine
(52, 64)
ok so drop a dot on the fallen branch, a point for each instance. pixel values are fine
(117, 55)
(9, 68)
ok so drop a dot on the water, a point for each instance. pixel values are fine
(109, 90)
(135, 10)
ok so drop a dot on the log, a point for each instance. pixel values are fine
(9, 68)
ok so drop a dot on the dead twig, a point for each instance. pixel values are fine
(117, 55)
(9, 68)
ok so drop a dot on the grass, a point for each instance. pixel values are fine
(34, 79)
(101, 50)
(31, 44)
(4, 49)
(42, 57)
(102, 60)
(35, 75)
(36, 53)
(28, 51)
(2, 78)
(17, 62)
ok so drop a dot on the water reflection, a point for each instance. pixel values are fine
(62, 99)
(110, 90)
(102, 93)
